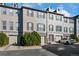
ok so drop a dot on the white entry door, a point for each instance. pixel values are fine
(42, 41)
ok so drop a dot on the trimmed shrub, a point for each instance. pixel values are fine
(4, 40)
(36, 38)
(30, 39)
(74, 37)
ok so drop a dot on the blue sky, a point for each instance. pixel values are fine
(71, 9)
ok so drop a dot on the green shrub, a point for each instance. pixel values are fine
(4, 40)
(74, 37)
(36, 38)
(29, 39)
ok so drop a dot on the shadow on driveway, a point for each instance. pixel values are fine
(63, 50)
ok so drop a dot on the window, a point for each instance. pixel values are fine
(58, 17)
(59, 28)
(65, 20)
(71, 30)
(51, 28)
(40, 15)
(11, 25)
(50, 16)
(29, 26)
(16, 26)
(4, 25)
(30, 13)
(65, 29)
(4, 11)
(71, 21)
(78, 20)
(40, 27)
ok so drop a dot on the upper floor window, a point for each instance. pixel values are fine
(30, 13)
(58, 17)
(4, 11)
(78, 20)
(71, 21)
(16, 26)
(65, 29)
(29, 26)
(59, 28)
(40, 27)
(51, 27)
(65, 20)
(4, 24)
(40, 14)
(11, 25)
(51, 16)
(71, 30)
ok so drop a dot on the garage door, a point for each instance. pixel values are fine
(12, 39)
(58, 37)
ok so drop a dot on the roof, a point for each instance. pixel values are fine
(32, 9)
(10, 7)
(36, 10)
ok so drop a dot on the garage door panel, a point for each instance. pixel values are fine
(58, 38)
(12, 39)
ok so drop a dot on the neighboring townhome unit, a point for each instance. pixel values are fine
(9, 23)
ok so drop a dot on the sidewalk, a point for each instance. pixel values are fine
(10, 48)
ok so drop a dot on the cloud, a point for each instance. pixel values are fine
(63, 11)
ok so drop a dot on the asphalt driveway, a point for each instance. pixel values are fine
(63, 50)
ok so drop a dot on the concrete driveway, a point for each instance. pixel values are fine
(12, 50)
(27, 52)
(63, 50)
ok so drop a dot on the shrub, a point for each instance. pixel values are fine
(74, 37)
(4, 40)
(29, 39)
(36, 38)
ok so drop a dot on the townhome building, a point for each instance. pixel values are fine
(50, 25)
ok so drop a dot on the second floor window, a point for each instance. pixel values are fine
(65, 29)
(29, 26)
(40, 15)
(30, 13)
(16, 26)
(51, 28)
(50, 16)
(71, 30)
(59, 28)
(58, 17)
(4, 24)
(65, 20)
(11, 25)
(40, 27)
(71, 21)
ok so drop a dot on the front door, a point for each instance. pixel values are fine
(51, 38)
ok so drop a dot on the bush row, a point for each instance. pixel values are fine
(4, 40)
(30, 39)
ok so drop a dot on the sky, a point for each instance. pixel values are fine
(70, 9)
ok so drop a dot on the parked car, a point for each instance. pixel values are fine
(67, 41)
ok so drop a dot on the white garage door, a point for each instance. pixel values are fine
(58, 37)
(12, 39)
